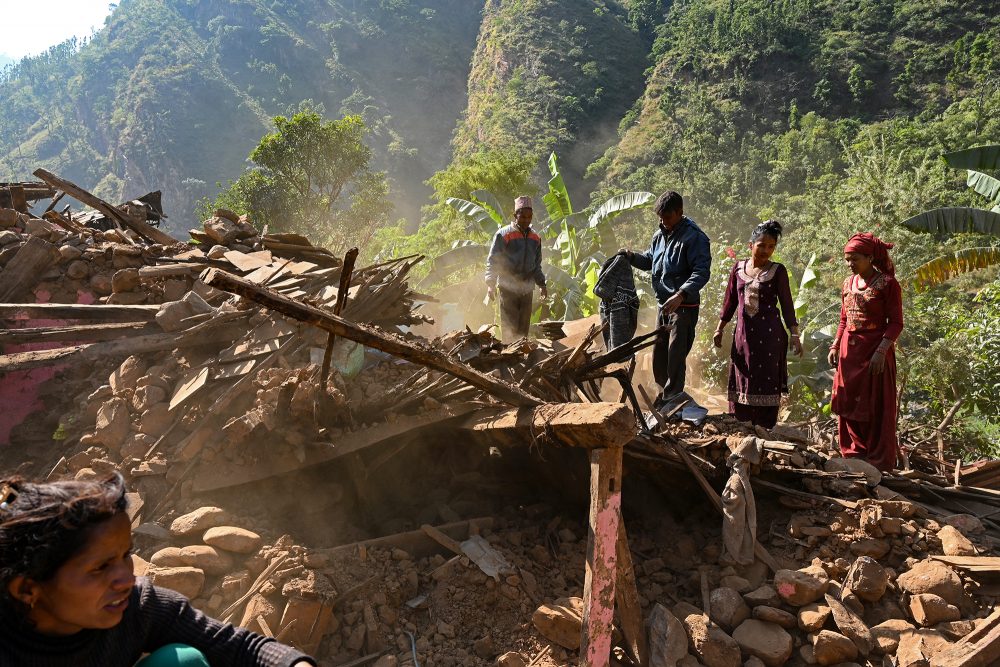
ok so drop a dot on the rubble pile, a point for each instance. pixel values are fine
(303, 464)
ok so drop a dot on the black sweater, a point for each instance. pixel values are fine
(154, 618)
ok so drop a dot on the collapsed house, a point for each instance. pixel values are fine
(303, 464)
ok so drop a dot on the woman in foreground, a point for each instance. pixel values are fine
(69, 598)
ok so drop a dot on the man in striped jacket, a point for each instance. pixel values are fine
(514, 265)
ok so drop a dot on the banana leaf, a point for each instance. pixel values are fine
(956, 220)
(619, 204)
(945, 267)
(566, 290)
(809, 278)
(556, 200)
(464, 254)
(568, 247)
(979, 158)
(600, 220)
(491, 203)
(476, 214)
(987, 186)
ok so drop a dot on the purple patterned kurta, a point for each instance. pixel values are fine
(758, 374)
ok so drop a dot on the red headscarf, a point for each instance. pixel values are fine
(874, 247)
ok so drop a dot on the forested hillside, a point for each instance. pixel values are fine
(174, 94)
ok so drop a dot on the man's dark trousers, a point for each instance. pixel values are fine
(670, 353)
(515, 314)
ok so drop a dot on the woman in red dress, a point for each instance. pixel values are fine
(864, 386)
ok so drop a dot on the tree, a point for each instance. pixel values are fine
(312, 176)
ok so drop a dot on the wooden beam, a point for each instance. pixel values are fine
(417, 543)
(370, 337)
(602, 559)
(23, 271)
(76, 192)
(220, 475)
(627, 601)
(586, 425)
(77, 334)
(78, 311)
(982, 651)
(221, 331)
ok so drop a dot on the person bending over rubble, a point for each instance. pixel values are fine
(515, 266)
(758, 372)
(864, 386)
(680, 260)
(69, 597)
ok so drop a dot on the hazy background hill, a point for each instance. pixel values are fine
(174, 94)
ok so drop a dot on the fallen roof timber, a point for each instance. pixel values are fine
(78, 311)
(222, 328)
(586, 425)
(75, 191)
(77, 333)
(370, 337)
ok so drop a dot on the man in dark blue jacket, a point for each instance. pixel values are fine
(515, 266)
(680, 260)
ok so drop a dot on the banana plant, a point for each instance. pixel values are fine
(963, 220)
(810, 368)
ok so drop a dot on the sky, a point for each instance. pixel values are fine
(29, 28)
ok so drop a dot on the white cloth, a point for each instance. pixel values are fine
(739, 509)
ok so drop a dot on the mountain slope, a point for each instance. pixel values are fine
(551, 75)
(174, 94)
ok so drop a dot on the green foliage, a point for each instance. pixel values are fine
(955, 220)
(173, 94)
(978, 158)
(548, 75)
(312, 176)
(943, 268)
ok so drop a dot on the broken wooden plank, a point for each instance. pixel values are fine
(23, 272)
(138, 226)
(447, 542)
(221, 330)
(586, 425)
(971, 563)
(81, 333)
(166, 271)
(78, 311)
(249, 261)
(602, 560)
(370, 337)
(984, 651)
(221, 475)
(415, 542)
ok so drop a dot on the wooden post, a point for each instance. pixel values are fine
(345, 283)
(627, 598)
(602, 559)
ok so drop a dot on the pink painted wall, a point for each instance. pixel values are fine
(19, 390)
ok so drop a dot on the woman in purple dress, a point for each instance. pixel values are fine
(758, 375)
